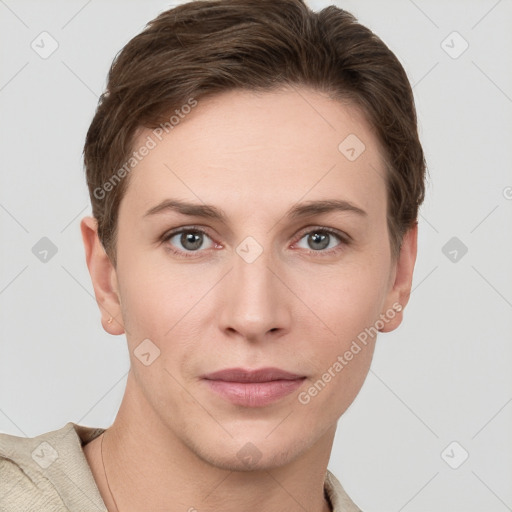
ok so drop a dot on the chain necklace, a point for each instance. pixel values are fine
(105, 471)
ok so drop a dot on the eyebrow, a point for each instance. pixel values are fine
(298, 211)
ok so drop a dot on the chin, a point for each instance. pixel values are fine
(245, 455)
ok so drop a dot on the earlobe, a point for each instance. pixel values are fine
(399, 294)
(103, 276)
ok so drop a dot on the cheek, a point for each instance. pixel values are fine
(343, 355)
(166, 308)
(330, 394)
(154, 308)
(352, 335)
(347, 299)
(154, 297)
(349, 305)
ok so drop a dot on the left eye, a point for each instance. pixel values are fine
(320, 239)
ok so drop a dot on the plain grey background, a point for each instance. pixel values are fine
(440, 387)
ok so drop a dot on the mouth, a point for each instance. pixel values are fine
(253, 388)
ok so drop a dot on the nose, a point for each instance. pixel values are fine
(256, 304)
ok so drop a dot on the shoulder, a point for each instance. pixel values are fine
(340, 500)
(23, 492)
(24, 484)
(44, 473)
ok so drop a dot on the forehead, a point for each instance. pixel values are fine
(262, 149)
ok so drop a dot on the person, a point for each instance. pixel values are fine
(255, 174)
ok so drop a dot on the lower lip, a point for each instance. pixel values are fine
(254, 394)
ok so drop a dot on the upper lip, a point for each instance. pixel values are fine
(248, 375)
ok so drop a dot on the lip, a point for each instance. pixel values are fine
(248, 375)
(253, 388)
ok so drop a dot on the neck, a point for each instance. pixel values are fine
(149, 468)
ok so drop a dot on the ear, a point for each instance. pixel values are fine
(398, 295)
(103, 276)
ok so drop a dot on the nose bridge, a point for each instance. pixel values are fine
(254, 304)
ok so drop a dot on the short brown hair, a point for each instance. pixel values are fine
(203, 48)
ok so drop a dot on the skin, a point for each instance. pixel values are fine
(174, 443)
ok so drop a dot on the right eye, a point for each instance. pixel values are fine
(190, 239)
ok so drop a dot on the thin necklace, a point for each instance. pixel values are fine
(105, 471)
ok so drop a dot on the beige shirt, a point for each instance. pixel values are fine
(49, 473)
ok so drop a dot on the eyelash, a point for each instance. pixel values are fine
(344, 240)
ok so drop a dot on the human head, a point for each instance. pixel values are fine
(203, 48)
(253, 152)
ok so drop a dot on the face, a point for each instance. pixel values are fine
(270, 280)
